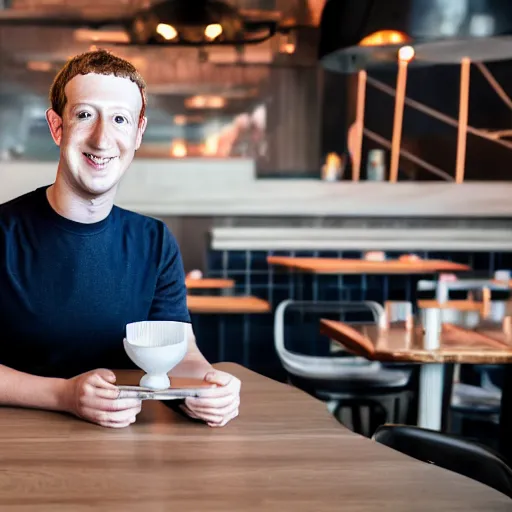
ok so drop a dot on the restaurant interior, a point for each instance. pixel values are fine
(337, 176)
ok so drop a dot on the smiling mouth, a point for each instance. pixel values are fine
(98, 160)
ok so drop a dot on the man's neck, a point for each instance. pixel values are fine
(78, 207)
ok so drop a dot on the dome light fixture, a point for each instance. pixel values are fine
(170, 22)
(365, 34)
(196, 22)
(385, 38)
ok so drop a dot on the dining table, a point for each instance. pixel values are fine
(397, 343)
(283, 452)
(307, 273)
(230, 305)
(366, 266)
(209, 284)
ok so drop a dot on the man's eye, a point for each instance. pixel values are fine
(84, 115)
(120, 119)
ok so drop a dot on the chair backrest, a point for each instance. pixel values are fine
(449, 452)
(315, 367)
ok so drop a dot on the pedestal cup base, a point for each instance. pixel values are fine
(155, 382)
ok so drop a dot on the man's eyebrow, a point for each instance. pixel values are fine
(113, 107)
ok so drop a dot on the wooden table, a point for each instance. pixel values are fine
(226, 305)
(360, 266)
(314, 268)
(209, 284)
(397, 344)
(285, 452)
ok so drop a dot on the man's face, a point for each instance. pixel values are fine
(99, 131)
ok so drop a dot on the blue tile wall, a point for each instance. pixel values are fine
(253, 276)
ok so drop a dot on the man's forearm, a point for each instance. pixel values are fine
(25, 390)
(194, 364)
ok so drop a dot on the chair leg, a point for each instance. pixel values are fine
(337, 411)
(357, 423)
(380, 414)
(454, 423)
(403, 403)
(449, 376)
(332, 406)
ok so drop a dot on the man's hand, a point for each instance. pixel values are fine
(92, 396)
(217, 405)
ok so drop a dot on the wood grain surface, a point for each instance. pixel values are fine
(360, 266)
(283, 453)
(226, 305)
(458, 305)
(209, 283)
(458, 345)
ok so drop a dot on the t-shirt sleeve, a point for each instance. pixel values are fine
(170, 298)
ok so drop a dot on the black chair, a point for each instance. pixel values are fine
(362, 402)
(453, 453)
(354, 388)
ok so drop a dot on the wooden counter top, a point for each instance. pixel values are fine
(227, 305)
(459, 305)
(360, 266)
(458, 345)
(209, 283)
(284, 452)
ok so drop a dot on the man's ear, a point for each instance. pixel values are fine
(55, 124)
(140, 132)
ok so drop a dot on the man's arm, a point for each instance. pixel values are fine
(170, 303)
(24, 390)
(194, 364)
(91, 396)
(219, 404)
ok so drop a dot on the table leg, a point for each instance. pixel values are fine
(430, 407)
(431, 375)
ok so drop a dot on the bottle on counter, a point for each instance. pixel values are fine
(332, 170)
(376, 166)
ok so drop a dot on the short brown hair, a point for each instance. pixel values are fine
(100, 62)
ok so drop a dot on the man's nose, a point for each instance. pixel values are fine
(100, 136)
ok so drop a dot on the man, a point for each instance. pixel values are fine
(75, 269)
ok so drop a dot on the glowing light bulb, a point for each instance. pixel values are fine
(384, 37)
(179, 148)
(406, 53)
(168, 32)
(212, 31)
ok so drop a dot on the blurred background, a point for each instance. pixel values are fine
(272, 102)
(208, 102)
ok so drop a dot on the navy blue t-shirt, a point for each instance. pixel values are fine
(67, 289)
